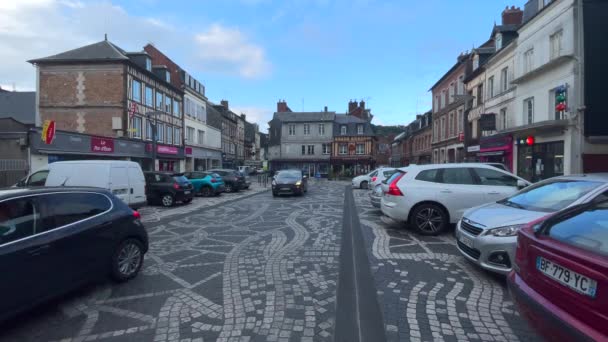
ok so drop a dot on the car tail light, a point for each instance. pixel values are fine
(374, 179)
(393, 189)
(213, 180)
(175, 186)
(136, 215)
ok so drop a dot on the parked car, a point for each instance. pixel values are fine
(430, 197)
(383, 174)
(246, 180)
(233, 180)
(487, 235)
(363, 181)
(245, 169)
(168, 188)
(124, 179)
(55, 239)
(375, 196)
(206, 183)
(292, 182)
(560, 278)
(498, 166)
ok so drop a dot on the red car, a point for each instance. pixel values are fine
(560, 277)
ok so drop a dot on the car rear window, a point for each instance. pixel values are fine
(551, 196)
(180, 179)
(587, 230)
(395, 175)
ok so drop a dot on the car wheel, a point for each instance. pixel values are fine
(167, 200)
(429, 219)
(206, 191)
(363, 185)
(127, 260)
(229, 188)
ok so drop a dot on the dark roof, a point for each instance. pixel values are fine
(505, 28)
(351, 123)
(101, 51)
(304, 116)
(20, 106)
(461, 59)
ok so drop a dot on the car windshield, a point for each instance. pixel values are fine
(587, 230)
(550, 196)
(180, 179)
(289, 174)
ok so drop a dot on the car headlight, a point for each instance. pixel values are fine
(505, 231)
(274, 182)
(298, 183)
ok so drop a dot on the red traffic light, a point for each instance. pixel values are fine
(530, 140)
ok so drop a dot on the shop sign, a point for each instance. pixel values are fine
(166, 149)
(461, 136)
(495, 141)
(48, 132)
(487, 122)
(188, 151)
(102, 145)
(475, 148)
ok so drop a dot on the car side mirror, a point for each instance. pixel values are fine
(21, 183)
(521, 184)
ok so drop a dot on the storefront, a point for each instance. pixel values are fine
(200, 159)
(496, 148)
(353, 166)
(538, 161)
(310, 167)
(170, 158)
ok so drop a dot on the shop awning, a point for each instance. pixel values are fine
(537, 127)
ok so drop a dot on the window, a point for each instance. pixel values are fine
(360, 149)
(326, 148)
(201, 137)
(528, 60)
(168, 104)
(306, 129)
(443, 128)
(503, 118)
(586, 230)
(479, 94)
(177, 108)
(160, 131)
(504, 79)
(475, 62)
(149, 129)
(529, 110)
(136, 91)
(137, 127)
(553, 195)
(149, 97)
(498, 41)
(148, 64)
(343, 130)
(491, 87)
(303, 149)
(321, 129)
(446, 100)
(451, 125)
(359, 129)
(292, 129)
(556, 44)
(189, 134)
(167, 76)
(457, 175)
(436, 131)
(177, 137)
(18, 219)
(460, 89)
(428, 175)
(492, 177)
(311, 149)
(74, 207)
(159, 100)
(169, 138)
(436, 103)
(460, 120)
(343, 149)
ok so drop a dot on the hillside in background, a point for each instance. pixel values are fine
(387, 130)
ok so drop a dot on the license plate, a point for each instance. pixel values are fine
(569, 278)
(187, 192)
(285, 189)
(465, 241)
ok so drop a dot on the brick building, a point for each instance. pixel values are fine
(420, 137)
(99, 95)
(229, 122)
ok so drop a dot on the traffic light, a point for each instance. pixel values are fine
(561, 97)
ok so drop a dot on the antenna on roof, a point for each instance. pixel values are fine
(105, 37)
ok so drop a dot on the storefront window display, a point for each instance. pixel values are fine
(540, 161)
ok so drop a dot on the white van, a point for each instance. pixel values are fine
(124, 179)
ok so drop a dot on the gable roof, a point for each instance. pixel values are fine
(351, 122)
(304, 116)
(20, 106)
(100, 51)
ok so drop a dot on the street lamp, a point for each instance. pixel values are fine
(154, 125)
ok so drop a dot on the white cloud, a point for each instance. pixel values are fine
(258, 115)
(227, 48)
(39, 28)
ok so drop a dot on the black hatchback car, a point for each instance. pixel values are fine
(233, 180)
(53, 240)
(292, 182)
(168, 188)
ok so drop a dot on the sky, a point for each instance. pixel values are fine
(310, 53)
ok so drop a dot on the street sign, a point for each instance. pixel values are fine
(48, 132)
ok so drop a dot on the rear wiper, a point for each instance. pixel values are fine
(511, 204)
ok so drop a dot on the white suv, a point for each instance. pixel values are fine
(429, 197)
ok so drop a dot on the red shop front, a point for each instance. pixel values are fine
(497, 148)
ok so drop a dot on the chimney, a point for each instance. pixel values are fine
(243, 116)
(362, 105)
(352, 106)
(282, 107)
(325, 109)
(512, 16)
(224, 103)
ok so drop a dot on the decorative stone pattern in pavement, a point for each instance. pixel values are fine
(256, 269)
(428, 292)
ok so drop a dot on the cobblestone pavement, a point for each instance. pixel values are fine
(254, 269)
(428, 292)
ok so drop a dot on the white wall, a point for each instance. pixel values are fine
(502, 99)
(212, 137)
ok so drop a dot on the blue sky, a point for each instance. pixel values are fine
(312, 53)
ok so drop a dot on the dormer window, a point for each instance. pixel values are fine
(167, 76)
(475, 62)
(498, 41)
(148, 64)
(343, 130)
